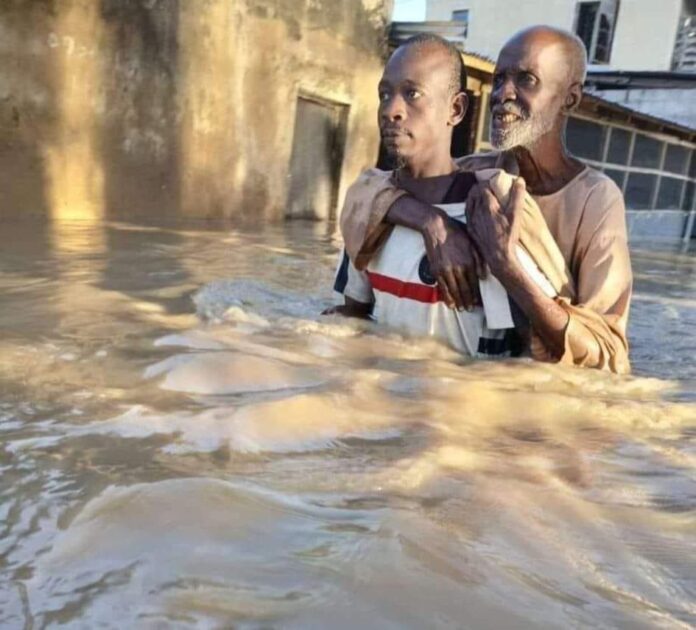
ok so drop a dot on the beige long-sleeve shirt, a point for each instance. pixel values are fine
(586, 227)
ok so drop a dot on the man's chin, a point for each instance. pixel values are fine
(503, 144)
(504, 140)
(396, 157)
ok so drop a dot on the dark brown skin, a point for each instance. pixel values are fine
(417, 110)
(417, 114)
(533, 73)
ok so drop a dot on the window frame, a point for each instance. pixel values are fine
(666, 141)
(592, 48)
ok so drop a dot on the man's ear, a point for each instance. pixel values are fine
(573, 98)
(458, 107)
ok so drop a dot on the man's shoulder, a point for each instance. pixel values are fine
(371, 175)
(602, 204)
(597, 188)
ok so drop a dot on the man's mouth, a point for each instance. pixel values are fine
(505, 118)
(393, 132)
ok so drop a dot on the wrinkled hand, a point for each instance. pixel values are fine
(454, 261)
(494, 229)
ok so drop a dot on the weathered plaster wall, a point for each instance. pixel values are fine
(113, 108)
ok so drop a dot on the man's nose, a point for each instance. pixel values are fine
(394, 108)
(504, 91)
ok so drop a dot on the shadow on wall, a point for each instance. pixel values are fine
(138, 139)
(27, 100)
(162, 108)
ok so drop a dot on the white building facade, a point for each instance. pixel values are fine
(619, 34)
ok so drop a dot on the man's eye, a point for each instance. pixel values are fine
(527, 79)
(384, 96)
(497, 79)
(412, 95)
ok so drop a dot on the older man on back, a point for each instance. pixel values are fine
(536, 85)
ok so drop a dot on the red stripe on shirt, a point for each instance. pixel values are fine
(401, 289)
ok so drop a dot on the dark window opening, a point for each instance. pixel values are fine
(594, 25)
(619, 146)
(462, 17)
(587, 16)
(676, 159)
(646, 152)
(618, 176)
(639, 191)
(585, 139)
(669, 196)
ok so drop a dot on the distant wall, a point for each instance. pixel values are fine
(645, 34)
(643, 40)
(493, 22)
(113, 108)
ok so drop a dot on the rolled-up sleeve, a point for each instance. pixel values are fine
(368, 201)
(362, 219)
(598, 315)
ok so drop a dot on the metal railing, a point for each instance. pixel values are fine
(685, 46)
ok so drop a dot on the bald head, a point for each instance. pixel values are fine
(536, 85)
(574, 55)
(425, 44)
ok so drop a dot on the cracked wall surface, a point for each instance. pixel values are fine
(117, 108)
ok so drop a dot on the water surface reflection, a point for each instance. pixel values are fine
(184, 442)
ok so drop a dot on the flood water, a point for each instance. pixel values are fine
(185, 443)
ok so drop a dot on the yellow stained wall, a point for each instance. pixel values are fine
(113, 108)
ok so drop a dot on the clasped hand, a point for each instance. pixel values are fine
(494, 229)
(454, 261)
(459, 255)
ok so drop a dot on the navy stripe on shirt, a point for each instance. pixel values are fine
(494, 346)
(342, 275)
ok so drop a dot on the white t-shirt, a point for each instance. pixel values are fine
(406, 297)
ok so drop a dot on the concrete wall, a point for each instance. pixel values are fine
(643, 40)
(112, 108)
(645, 34)
(492, 22)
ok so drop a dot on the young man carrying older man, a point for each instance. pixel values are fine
(537, 84)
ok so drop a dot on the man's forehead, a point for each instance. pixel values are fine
(539, 52)
(419, 64)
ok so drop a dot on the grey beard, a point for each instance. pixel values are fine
(524, 134)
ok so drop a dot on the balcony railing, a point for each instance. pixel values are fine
(685, 45)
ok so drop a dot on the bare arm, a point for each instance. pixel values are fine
(453, 259)
(373, 205)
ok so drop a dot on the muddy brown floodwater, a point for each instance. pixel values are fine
(185, 443)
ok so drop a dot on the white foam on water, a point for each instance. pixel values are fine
(223, 373)
(296, 423)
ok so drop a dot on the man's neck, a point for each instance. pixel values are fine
(547, 166)
(429, 166)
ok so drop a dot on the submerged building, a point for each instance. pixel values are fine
(162, 108)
